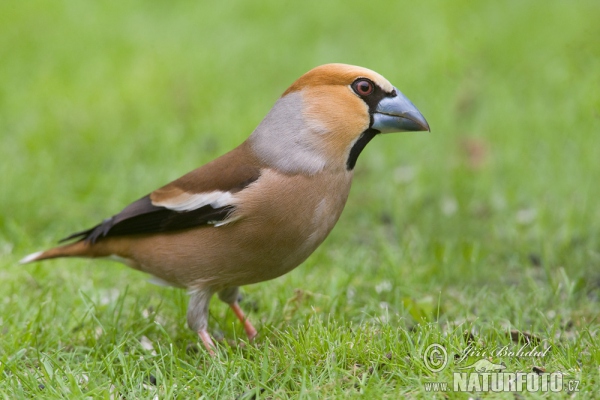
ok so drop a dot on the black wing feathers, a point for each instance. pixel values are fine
(142, 217)
(232, 172)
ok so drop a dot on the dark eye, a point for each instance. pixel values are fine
(363, 87)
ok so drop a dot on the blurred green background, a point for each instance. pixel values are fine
(492, 217)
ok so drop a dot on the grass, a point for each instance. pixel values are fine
(489, 224)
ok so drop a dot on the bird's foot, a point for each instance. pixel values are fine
(207, 341)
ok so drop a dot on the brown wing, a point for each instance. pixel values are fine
(230, 173)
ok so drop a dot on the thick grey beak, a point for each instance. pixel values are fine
(398, 114)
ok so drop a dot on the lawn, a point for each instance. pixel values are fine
(482, 234)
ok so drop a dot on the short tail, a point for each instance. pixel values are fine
(77, 249)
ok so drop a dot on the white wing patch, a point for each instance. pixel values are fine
(194, 201)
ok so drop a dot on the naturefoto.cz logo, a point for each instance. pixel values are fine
(487, 375)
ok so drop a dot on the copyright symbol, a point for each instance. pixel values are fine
(435, 357)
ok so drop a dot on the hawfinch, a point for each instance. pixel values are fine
(260, 210)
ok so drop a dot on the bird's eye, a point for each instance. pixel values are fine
(363, 87)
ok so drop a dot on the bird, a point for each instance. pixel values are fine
(260, 210)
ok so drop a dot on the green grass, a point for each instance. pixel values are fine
(489, 223)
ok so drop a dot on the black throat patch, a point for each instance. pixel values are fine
(358, 147)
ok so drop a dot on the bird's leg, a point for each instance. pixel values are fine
(197, 316)
(231, 296)
(250, 330)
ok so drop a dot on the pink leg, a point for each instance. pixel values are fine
(250, 331)
(207, 341)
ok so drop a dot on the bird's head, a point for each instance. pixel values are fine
(326, 118)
